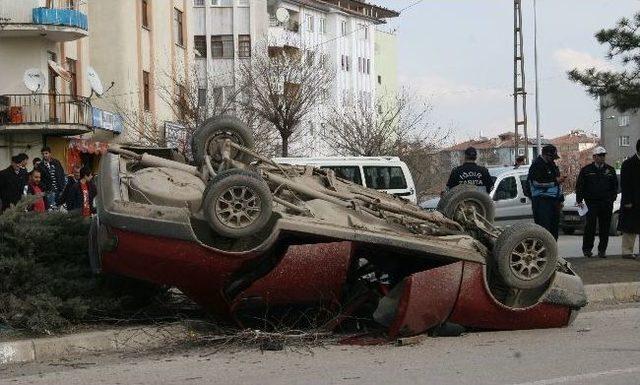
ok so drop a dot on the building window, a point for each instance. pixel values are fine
(364, 31)
(323, 25)
(202, 97)
(344, 28)
(145, 13)
(73, 84)
(624, 141)
(244, 46)
(348, 62)
(360, 64)
(309, 21)
(198, 3)
(368, 66)
(222, 46)
(222, 3)
(379, 79)
(146, 90)
(200, 45)
(178, 26)
(623, 121)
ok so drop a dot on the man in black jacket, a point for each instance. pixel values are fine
(630, 203)
(53, 177)
(545, 184)
(470, 173)
(13, 180)
(597, 185)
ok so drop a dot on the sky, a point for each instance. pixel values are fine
(459, 54)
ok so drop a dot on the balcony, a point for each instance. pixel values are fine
(45, 114)
(56, 20)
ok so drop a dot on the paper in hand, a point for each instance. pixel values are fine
(583, 210)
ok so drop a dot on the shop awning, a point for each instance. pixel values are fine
(88, 146)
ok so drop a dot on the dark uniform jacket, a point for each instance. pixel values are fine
(542, 179)
(47, 181)
(75, 200)
(630, 186)
(12, 186)
(597, 184)
(471, 174)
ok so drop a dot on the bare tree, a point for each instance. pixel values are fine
(283, 86)
(395, 125)
(191, 101)
(389, 126)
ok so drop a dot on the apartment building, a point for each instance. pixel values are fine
(57, 55)
(342, 32)
(145, 49)
(43, 84)
(620, 132)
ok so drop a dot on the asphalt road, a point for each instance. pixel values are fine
(570, 246)
(602, 347)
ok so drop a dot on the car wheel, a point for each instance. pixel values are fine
(206, 139)
(613, 228)
(526, 255)
(466, 196)
(237, 203)
(568, 231)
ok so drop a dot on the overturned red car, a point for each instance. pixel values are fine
(238, 233)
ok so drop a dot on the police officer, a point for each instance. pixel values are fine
(597, 185)
(470, 173)
(546, 191)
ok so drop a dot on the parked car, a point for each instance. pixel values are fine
(570, 220)
(241, 234)
(509, 195)
(383, 173)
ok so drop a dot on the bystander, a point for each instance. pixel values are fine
(53, 178)
(82, 194)
(630, 203)
(13, 179)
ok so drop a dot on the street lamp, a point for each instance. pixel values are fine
(535, 47)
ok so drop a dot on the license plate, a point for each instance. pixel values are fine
(572, 218)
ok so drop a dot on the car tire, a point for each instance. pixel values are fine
(237, 203)
(205, 138)
(452, 199)
(526, 256)
(568, 231)
(613, 228)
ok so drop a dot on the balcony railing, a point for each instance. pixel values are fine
(43, 12)
(44, 109)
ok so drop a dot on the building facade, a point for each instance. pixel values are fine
(44, 90)
(226, 32)
(620, 131)
(145, 50)
(57, 55)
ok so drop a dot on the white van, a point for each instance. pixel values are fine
(387, 174)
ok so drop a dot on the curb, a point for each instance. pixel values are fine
(121, 340)
(613, 292)
(145, 338)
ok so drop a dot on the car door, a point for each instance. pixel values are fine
(511, 204)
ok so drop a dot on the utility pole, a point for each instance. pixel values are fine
(519, 81)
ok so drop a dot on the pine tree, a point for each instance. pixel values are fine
(621, 89)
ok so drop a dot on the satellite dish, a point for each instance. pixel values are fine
(94, 81)
(63, 73)
(282, 15)
(34, 79)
